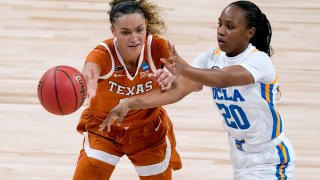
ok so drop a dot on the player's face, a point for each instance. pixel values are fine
(131, 31)
(233, 35)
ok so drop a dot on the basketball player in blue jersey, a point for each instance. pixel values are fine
(244, 87)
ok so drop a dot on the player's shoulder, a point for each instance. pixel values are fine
(208, 54)
(107, 42)
(214, 53)
(255, 54)
(102, 51)
(205, 56)
(158, 46)
(253, 51)
(156, 37)
(156, 40)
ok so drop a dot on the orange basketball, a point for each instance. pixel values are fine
(62, 90)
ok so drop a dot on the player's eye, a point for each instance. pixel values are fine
(125, 32)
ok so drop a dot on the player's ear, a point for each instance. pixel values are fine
(251, 32)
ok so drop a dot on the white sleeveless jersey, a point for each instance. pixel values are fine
(249, 111)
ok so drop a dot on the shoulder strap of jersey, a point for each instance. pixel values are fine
(123, 63)
(112, 61)
(151, 63)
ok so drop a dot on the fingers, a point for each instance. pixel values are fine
(162, 77)
(167, 87)
(170, 81)
(102, 126)
(106, 123)
(164, 83)
(109, 126)
(91, 93)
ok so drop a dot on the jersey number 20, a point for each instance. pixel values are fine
(234, 116)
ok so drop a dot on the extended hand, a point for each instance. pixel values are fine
(174, 62)
(91, 75)
(116, 115)
(92, 88)
(164, 78)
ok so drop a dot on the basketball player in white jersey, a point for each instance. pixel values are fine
(244, 86)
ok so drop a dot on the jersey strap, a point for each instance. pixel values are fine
(112, 61)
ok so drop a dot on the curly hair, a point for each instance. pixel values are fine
(151, 12)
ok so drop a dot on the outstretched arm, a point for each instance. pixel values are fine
(225, 77)
(91, 73)
(181, 88)
(229, 76)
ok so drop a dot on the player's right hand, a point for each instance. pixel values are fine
(116, 115)
(90, 73)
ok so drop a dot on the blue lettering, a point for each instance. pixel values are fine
(221, 94)
(216, 92)
(237, 95)
(226, 95)
(234, 116)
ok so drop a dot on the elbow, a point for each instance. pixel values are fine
(198, 88)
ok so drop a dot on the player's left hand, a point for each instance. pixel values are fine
(116, 115)
(175, 62)
(164, 78)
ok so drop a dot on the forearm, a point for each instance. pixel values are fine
(91, 71)
(225, 77)
(157, 98)
(153, 99)
(207, 77)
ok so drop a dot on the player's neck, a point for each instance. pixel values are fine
(131, 64)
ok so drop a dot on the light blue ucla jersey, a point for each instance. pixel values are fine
(249, 111)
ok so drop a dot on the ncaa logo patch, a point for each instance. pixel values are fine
(144, 66)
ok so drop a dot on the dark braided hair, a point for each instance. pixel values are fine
(151, 12)
(262, 37)
(255, 18)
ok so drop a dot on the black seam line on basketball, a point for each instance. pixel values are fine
(74, 89)
(42, 82)
(56, 89)
(68, 67)
(73, 69)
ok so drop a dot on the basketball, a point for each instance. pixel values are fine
(62, 90)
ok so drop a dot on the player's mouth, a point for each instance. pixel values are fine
(134, 45)
(221, 41)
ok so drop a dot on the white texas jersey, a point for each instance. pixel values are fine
(249, 111)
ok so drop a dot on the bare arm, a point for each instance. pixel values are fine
(181, 87)
(91, 73)
(225, 77)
